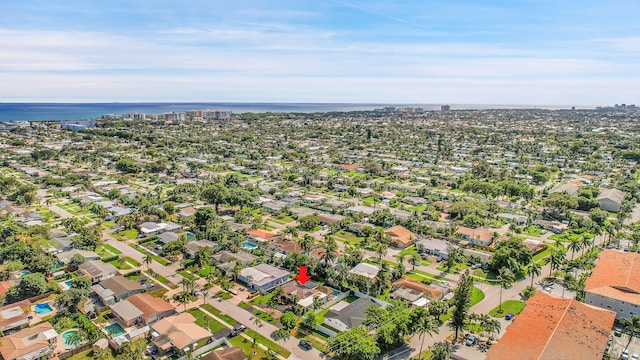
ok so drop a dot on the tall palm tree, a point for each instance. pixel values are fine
(147, 260)
(535, 269)
(574, 245)
(506, 277)
(426, 324)
(631, 327)
(204, 293)
(381, 250)
(556, 259)
(330, 247)
(307, 243)
(414, 260)
(585, 242)
(257, 322)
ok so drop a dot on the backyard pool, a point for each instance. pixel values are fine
(24, 272)
(68, 283)
(67, 336)
(115, 330)
(190, 236)
(43, 308)
(249, 245)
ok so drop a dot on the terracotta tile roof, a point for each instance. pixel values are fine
(401, 235)
(615, 276)
(349, 167)
(149, 305)
(180, 330)
(26, 341)
(418, 286)
(555, 328)
(232, 353)
(261, 233)
(476, 234)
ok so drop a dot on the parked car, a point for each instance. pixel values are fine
(239, 327)
(635, 356)
(618, 332)
(439, 259)
(509, 316)
(625, 355)
(307, 345)
(471, 340)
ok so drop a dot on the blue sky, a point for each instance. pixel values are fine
(459, 52)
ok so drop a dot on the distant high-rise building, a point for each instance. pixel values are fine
(173, 116)
(445, 108)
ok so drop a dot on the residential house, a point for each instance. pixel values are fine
(260, 235)
(14, 316)
(519, 220)
(614, 284)
(167, 237)
(401, 236)
(366, 210)
(307, 294)
(326, 219)
(179, 332)
(437, 247)
(365, 269)
(285, 246)
(274, 206)
(611, 199)
(569, 188)
(553, 226)
(152, 228)
(479, 236)
(65, 257)
(97, 270)
(263, 277)
(344, 316)
(231, 353)
(417, 293)
(116, 288)
(225, 256)
(551, 328)
(37, 342)
(193, 246)
(153, 309)
(126, 313)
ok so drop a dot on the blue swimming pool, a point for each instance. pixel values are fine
(24, 272)
(68, 335)
(43, 308)
(115, 330)
(249, 245)
(68, 283)
(190, 236)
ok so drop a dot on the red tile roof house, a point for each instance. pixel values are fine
(479, 236)
(401, 236)
(260, 235)
(553, 328)
(37, 342)
(614, 283)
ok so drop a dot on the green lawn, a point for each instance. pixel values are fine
(476, 296)
(112, 249)
(225, 295)
(130, 234)
(490, 276)
(108, 224)
(131, 261)
(187, 275)
(247, 347)
(224, 317)
(262, 299)
(320, 315)
(316, 344)
(206, 269)
(158, 293)
(204, 320)
(264, 316)
(269, 344)
(533, 230)
(348, 238)
(513, 306)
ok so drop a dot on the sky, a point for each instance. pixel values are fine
(574, 52)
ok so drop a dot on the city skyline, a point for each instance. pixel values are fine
(328, 51)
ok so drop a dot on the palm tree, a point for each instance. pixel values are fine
(441, 350)
(506, 277)
(414, 260)
(585, 242)
(147, 260)
(556, 259)
(438, 308)
(631, 327)
(75, 338)
(426, 324)
(257, 322)
(306, 243)
(401, 258)
(534, 270)
(574, 245)
(204, 293)
(492, 326)
(381, 250)
(330, 247)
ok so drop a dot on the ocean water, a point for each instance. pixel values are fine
(81, 111)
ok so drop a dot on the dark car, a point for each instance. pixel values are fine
(307, 345)
(509, 316)
(239, 328)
